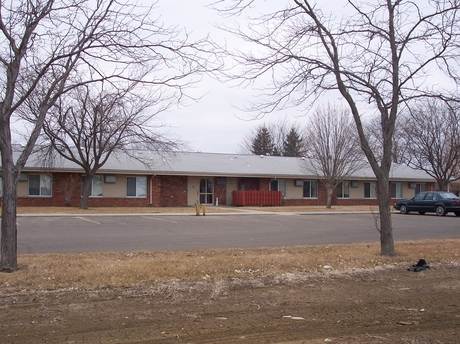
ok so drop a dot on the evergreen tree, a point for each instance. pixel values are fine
(293, 144)
(276, 151)
(262, 143)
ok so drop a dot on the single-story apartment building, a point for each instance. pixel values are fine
(154, 179)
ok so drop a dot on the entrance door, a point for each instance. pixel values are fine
(206, 191)
(279, 185)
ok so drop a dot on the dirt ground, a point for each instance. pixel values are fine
(276, 295)
(381, 305)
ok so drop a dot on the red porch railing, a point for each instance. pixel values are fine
(257, 198)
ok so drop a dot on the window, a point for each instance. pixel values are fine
(96, 186)
(420, 188)
(279, 185)
(343, 190)
(396, 190)
(430, 197)
(310, 188)
(206, 191)
(419, 197)
(370, 190)
(136, 186)
(40, 184)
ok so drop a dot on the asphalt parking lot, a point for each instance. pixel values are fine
(53, 234)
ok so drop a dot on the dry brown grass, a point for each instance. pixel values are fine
(126, 269)
(316, 208)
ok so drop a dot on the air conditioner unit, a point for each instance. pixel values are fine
(412, 185)
(298, 182)
(23, 177)
(110, 178)
(354, 184)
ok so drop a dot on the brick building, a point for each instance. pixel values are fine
(183, 179)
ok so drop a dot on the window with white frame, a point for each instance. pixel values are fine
(343, 190)
(40, 184)
(96, 188)
(136, 186)
(278, 185)
(370, 190)
(396, 190)
(310, 189)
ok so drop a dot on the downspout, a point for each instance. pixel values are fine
(151, 188)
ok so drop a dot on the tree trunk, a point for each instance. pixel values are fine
(9, 244)
(387, 247)
(329, 197)
(86, 192)
(442, 184)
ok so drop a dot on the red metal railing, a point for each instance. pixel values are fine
(257, 198)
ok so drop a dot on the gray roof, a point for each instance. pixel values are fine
(214, 164)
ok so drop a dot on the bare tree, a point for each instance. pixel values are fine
(432, 140)
(376, 54)
(333, 147)
(90, 123)
(48, 47)
(372, 128)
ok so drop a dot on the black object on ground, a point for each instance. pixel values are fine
(421, 265)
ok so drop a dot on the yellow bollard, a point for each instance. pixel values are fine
(204, 209)
(197, 208)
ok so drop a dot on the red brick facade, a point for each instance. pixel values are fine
(173, 191)
(66, 192)
(249, 184)
(220, 190)
(169, 191)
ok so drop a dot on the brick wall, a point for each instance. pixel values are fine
(220, 190)
(169, 191)
(66, 190)
(173, 191)
(264, 184)
(249, 184)
(155, 182)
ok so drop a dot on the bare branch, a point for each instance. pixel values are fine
(333, 147)
(376, 54)
(281, 138)
(433, 144)
(91, 123)
(50, 47)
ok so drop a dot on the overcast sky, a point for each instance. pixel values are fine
(213, 124)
